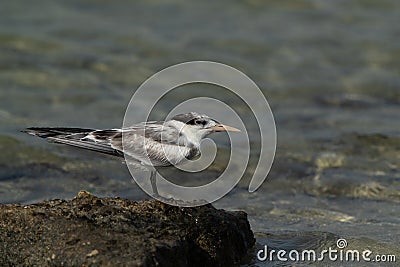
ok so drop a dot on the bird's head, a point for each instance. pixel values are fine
(198, 126)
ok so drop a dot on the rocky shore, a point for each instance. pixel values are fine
(94, 231)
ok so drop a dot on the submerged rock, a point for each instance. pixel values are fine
(95, 231)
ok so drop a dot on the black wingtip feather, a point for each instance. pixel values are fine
(36, 131)
(45, 132)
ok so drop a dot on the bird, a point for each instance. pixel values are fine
(151, 143)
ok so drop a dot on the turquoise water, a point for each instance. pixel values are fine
(329, 69)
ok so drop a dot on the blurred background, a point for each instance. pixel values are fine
(329, 69)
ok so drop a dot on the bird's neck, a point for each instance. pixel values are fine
(191, 138)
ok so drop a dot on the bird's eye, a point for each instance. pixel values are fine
(200, 122)
(197, 122)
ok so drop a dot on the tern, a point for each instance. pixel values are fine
(153, 143)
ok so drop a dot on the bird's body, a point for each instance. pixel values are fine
(159, 143)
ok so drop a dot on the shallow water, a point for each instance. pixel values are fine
(330, 71)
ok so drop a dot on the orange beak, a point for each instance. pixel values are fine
(224, 128)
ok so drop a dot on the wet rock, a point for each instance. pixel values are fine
(95, 231)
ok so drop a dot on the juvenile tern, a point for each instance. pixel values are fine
(155, 143)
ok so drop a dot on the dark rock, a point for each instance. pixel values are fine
(95, 231)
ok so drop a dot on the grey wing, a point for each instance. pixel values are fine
(146, 143)
(155, 130)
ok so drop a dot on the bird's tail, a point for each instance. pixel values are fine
(77, 137)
